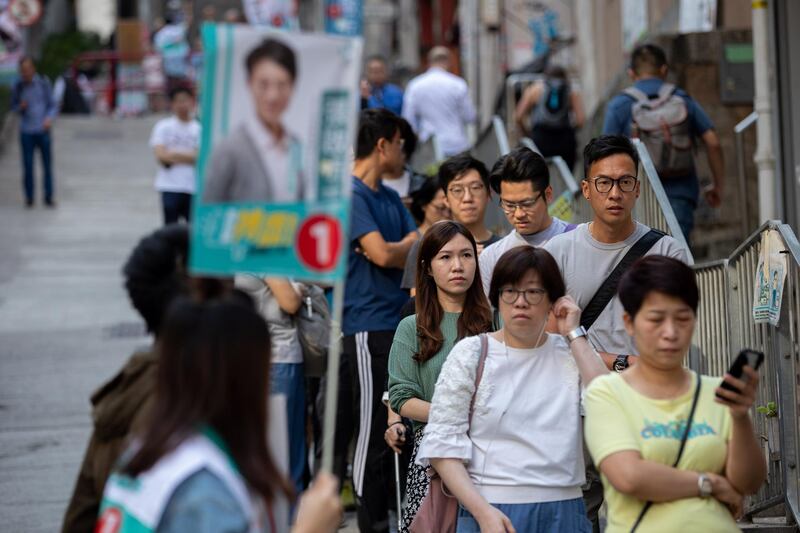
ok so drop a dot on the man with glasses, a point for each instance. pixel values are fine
(522, 180)
(588, 255)
(465, 182)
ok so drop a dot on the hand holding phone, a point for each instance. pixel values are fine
(738, 388)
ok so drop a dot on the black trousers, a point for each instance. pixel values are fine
(367, 354)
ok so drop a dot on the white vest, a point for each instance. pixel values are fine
(136, 505)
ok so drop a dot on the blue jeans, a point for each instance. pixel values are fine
(29, 142)
(550, 517)
(176, 206)
(684, 212)
(289, 379)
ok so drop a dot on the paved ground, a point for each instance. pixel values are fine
(65, 322)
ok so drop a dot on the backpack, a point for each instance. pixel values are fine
(313, 322)
(662, 124)
(552, 111)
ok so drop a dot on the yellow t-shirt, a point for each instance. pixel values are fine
(618, 418)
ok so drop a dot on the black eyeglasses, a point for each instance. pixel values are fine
(531, 296)
(604, 184)
(528, 205)
(475, 189)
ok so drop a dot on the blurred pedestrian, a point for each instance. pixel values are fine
(172, 43)
(652, 106)
(508, 445)
(202, 462)
(465, 182)
(155, 274)
(32, 98)
(450, 305)
(438, 103)
(279, 300)
(428, 205)
(550, 112)
(176, 141)
(637, 421)
(381, 233)
(522, 180)
(376, 91)
(589, 255)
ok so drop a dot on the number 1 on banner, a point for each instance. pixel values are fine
(319, 242)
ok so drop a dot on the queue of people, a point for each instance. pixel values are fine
(539, 374)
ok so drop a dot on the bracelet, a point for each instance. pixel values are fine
(395, 423)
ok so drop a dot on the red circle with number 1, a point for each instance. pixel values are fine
(319, 242)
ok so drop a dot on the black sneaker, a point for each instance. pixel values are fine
(28, 204)
(50, 203)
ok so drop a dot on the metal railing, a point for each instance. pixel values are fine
(653, 207)
(738, 132)
(725, 326)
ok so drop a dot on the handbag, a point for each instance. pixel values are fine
(313, 322)
(439, 509)
(685, 436)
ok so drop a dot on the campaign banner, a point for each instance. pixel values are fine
(279, 112)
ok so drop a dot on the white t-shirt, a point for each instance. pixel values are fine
(399, 185)
(525, 443)
(585, 263)
(176, 136)
(491, 254)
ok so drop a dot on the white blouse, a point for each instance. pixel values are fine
(525, 444)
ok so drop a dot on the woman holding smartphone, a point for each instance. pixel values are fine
(636, 420)
(450, 305)
(515, 462)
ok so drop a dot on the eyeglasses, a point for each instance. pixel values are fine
(527, 206)
(625, 183)
(531, 296)
(457, 191)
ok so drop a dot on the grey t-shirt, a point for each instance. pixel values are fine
(585, 263)
(409, 280)
(490, 255)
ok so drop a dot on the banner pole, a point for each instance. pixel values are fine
(332, 379)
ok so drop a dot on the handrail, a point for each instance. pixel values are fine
(725, 325)
(653, 207)
(738, 132)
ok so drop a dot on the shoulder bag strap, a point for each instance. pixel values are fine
(609, 287)
(684, 438)
(479, 372)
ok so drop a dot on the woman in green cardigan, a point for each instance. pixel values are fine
(450, 305)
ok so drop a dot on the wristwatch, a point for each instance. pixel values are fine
(580, 331)
(621, 363)
(704, 485)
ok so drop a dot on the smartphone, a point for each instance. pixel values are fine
(751, 358)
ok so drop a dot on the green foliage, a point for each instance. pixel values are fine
(60, 49)
(770, 410)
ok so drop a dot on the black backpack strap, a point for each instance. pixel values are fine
(609, 287)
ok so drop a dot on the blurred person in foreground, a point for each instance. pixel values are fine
(202, 462)
(636, 421)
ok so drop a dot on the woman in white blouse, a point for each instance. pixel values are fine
(518, 466)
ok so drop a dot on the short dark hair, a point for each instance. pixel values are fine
(647, 58)
(24, 59)
(272, 50)
(606, 146)
(521, 164)
(377, 57)
(409, 138)
(422, 197)
(657, 273)
(374, 125)
(457, 165)
(155, 273)
(180, 89)
(515, 263)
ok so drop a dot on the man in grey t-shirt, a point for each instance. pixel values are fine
(522, 180)
(587, 255)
